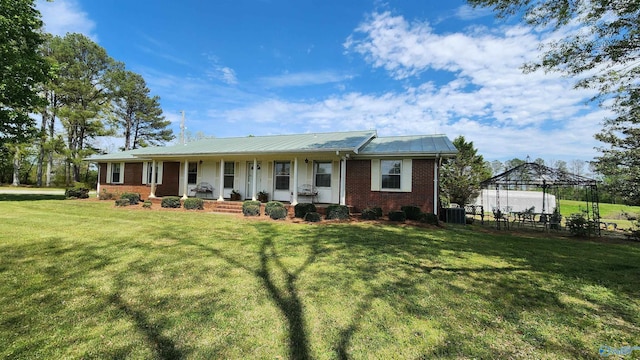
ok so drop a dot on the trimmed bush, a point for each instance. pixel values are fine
(104, 195)
(397, 216)
(193, 204)
(134, 198)
(578, 225)
(251, 208)
(378, 211)
(312, 216)
(370, 214)
(429, 218)
(412, 212)
(123, 202)
(277, 213)
(271, 205)
(301, 209)
(170, 202)
(77, 193)
(147, 204)
(340, 212)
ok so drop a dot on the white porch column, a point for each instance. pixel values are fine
(98, 187)
(254, 189)
(436, 203)
(294, 197)
(186, 179)
(343, 181)
(152, 194)
(221, 197)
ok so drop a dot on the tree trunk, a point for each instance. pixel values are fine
(16, 167)
(41, 154)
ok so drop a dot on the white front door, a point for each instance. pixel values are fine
(249, 192)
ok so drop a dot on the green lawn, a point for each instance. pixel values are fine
(615, 213)
(82, 279)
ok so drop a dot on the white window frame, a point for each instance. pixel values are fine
(146, 172)
(276, 175)
(406, 175)
(231, 175)
(110, 173)
(316, 165)
(189, 173)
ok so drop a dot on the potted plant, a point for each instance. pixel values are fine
(235, 195)
(263, 196)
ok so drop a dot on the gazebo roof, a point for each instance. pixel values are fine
(536, 174)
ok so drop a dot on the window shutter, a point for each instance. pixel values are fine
(122, 173)
(407, 175)
(375, 175)
(145, 172)
(108, 173)
(159, 165)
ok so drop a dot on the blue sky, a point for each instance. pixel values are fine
(262, 67)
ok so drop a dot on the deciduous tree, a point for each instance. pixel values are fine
(600, 46)
(23, 69)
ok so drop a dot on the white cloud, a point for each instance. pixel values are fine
(304, 79)
(65, 16)
(488, 99)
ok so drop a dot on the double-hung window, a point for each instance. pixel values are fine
(282, 171)
(229, 173)
(116, 173)
(391, 171)
(192, 173)
(323, 174)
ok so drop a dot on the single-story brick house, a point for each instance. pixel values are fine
(355, 168)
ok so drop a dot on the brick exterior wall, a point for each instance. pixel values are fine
(133, 180)
(360, 196)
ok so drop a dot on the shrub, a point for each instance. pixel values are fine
(123, 202)
(412, 212)
(271, 205)
(397, 215)
(429, 218)
(378, 211)
(578, 225)
(134, 198)
(77, 193)
(170, 202)
(263, 196)
(312, 216)
(104, 195)
(278, 213)
(340, 212)
(634, 232)
(147, 204)
(251, 208)
(370, 214)
(194, 204)
(301, 209)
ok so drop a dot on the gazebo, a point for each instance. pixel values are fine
(544, 178)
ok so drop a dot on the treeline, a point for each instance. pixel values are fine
(85, 95)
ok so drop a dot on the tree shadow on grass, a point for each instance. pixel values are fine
(164, 347)
(30, 197)
(284, 296)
